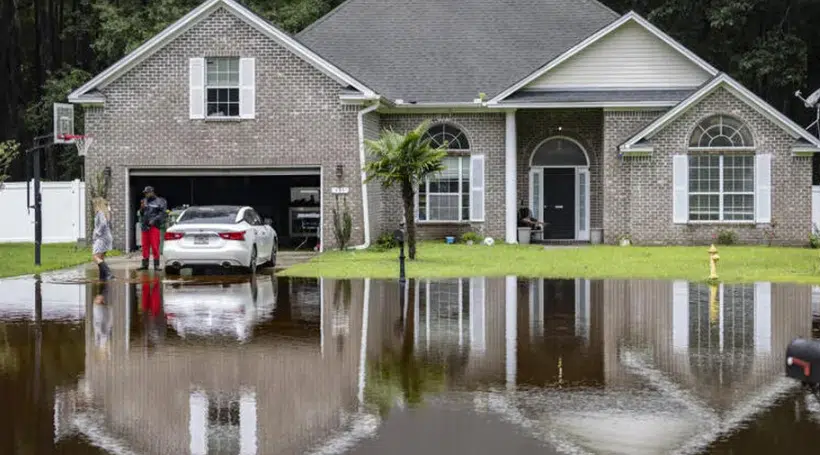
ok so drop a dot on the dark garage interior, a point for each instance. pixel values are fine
(290, 201)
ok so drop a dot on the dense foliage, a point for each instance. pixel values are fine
(51, 46)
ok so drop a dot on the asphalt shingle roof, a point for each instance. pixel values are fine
(592, 96)
(450, 50)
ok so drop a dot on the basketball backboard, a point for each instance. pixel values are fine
(63, 123)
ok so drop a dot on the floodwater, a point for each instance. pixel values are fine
(219, 365)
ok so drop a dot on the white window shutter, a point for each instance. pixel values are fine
(196, 102)
(476, 187)
(763, 317)
(680, 315)
(680, 184)
(247, 87)
(763, 188)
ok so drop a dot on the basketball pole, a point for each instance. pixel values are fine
(37, 149)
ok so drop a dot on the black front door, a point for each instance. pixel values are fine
(559, 203)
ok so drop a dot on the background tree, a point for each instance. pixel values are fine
(771, 46)
(404, 160)
(8, 153)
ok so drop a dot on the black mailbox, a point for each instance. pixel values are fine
(398, 235)
(803, 361)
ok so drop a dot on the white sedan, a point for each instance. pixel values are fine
(229, 308)
(218, 235)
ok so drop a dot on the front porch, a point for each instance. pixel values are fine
(553, 168)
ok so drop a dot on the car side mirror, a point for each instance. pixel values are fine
(268, 221)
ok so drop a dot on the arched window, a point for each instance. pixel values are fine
(559, 151)
(721, 131)
(447, 135)
(446, 195)
(721, 171)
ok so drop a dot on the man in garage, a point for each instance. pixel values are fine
(153, 210)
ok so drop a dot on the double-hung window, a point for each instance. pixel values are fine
(446, 196)
(721, 177)
(222, 86)
(721, 187)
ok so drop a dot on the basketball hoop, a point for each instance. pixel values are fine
(82, 142)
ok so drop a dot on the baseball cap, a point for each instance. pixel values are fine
(148, 189)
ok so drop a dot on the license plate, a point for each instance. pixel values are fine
(200, 240)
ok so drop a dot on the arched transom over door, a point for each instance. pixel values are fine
(559, 151)
(559, 188)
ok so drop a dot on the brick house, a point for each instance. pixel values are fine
(601, 124)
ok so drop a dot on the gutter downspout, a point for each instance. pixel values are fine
(362, 159)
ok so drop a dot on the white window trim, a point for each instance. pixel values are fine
(238, 87)
(721, 194)
(462, 156)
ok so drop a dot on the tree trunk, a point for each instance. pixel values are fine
(408, 197)
(408, 344)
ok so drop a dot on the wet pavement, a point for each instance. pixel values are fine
(264, 365)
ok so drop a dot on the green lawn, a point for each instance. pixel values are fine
(18, 258)
(737, 263)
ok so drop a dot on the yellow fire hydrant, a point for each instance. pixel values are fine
(713, 259)
(714, 306)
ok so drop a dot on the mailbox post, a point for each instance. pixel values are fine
(398, 234)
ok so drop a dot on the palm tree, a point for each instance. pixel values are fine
(404, 160)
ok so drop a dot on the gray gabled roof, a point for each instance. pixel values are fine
(450, 50)
(670, 96)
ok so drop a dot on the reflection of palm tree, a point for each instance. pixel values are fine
(9, 360)
(402, 375)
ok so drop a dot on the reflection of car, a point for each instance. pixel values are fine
(227, 308)
(226, 236)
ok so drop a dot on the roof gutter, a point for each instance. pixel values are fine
(362, 159)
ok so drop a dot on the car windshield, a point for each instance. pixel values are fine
(209, 215)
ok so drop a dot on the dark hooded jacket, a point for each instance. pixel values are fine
(154, 211)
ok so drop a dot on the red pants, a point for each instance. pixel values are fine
(151, 296)
(150, 242)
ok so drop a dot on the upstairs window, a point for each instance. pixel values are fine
(222, 86)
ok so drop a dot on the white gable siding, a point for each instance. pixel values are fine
(628, 57)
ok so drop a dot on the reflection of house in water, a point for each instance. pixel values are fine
(706, 358)
(596, 361)
(278, 391)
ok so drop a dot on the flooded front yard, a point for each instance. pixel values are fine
(235, 365)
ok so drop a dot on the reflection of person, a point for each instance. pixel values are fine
(102, 241)
(102, 318)
(152, 307)
(153, 210)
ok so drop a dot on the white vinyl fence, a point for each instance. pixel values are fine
(63, 212)
(815, 207)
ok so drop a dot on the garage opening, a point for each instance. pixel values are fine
(291, 198)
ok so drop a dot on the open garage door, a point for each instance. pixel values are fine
(290, 197)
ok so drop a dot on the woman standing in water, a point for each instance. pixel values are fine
(102, 241)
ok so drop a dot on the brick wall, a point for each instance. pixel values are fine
(486, 135)
(299, 120)
(639, 191)
(583, 125)
(618, 127)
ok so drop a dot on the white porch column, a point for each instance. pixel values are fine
(511, 331)
(510, 182)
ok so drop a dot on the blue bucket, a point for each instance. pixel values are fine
(449, 240)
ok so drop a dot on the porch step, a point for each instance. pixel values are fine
(566, 242)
